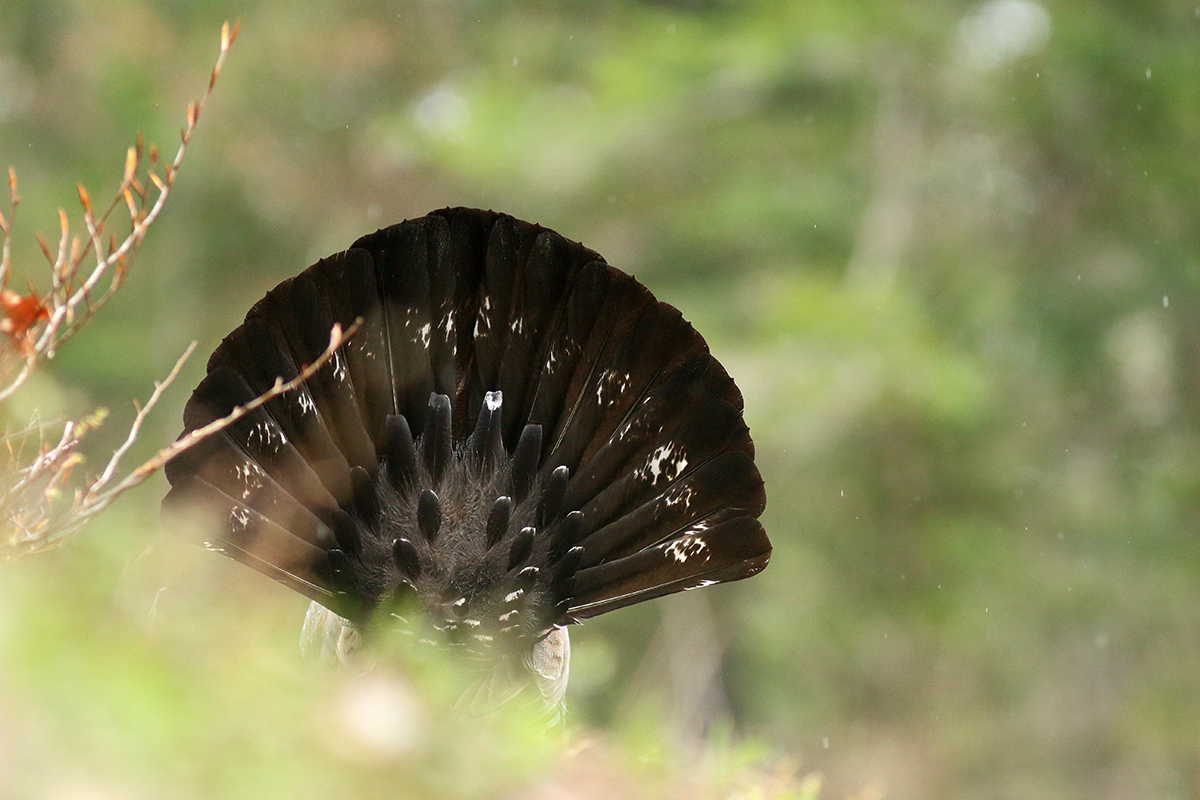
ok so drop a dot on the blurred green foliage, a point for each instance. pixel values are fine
(948, 250)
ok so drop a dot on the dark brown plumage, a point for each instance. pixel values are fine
(519, 437)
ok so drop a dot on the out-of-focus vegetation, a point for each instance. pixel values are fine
(43, 501)
(949, 251)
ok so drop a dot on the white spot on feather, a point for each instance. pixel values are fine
(699, 585)
(560, 349)
(249, 474)
(339, 367)
(667, 461)
(265, 435)
(426, 329)
(681, 496)
(629, 427)
(363, 346)
(685, 547)
(514, 596)
(307, 406)
(612, 383)
(239, 518)
(493, 400)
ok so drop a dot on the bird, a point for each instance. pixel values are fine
(517, 437)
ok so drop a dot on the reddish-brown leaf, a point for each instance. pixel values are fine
(20, 314)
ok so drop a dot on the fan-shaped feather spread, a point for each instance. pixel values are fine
(519, 436)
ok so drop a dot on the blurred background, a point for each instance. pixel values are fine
(949, 251)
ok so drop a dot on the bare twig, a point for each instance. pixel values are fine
(103, 498)
(37, 515)
(6, 227)
(135, 428)
(43, 324)
(41, 502)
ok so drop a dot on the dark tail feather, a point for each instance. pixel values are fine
(735, 549)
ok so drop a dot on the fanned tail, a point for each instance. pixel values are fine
(518, 437)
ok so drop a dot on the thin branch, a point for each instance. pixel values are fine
(6, 224)
(135, 428)
(34, 505)
(41, 503)
(336, 338)
(39, 339)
